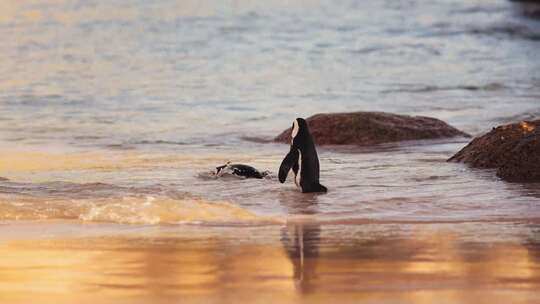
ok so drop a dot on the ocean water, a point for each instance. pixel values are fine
(113, 113)
(107, 105)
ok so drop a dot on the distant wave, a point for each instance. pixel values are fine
(529, 115)
(30, 100)
(260, 140)
(66, 190)
(382, 48)
(159, 142)
(478, 9)
(430, 88)
(509, 30)
(132, 144)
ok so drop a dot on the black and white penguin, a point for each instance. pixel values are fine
(240, 170)
(303, 159)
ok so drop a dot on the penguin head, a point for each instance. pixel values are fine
(299, 129)
(221, 169)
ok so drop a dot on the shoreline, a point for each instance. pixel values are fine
(295, 263)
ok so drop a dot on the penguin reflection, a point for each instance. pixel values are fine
(301, 240)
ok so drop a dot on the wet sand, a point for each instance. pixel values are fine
(66, 262)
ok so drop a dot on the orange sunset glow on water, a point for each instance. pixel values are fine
(299, 263)
(295, 152)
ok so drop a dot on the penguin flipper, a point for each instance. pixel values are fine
(288, 162)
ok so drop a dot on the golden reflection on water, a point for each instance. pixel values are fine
(8, 10)
(293, 264)
(17, 159)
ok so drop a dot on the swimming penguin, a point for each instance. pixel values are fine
(240, 170)
(303, 159)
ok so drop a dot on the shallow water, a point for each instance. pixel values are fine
(296, 263)
(112, 114)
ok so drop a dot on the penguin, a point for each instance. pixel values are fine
(239, 170)
(303, 160)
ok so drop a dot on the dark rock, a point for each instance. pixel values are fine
(524, 162)
(513, 149)
(370, 128)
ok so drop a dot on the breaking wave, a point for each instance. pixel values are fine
(99, 202)
(148, 210)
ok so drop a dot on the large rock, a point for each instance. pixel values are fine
(513, 149)
(370, 128)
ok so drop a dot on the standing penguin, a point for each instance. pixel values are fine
(303, 159)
